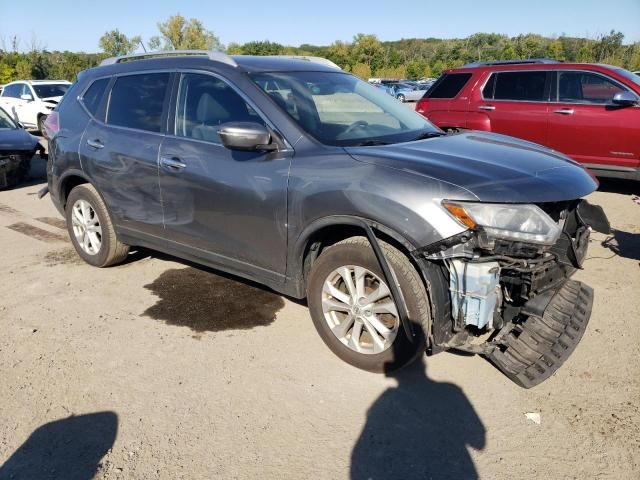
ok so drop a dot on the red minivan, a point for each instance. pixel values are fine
(589, 112)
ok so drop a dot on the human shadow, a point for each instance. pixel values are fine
(69, 449)
(419, 429)
(623, 244)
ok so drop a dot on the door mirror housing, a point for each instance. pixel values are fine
(625, 99)
(26, 96)
(247, 136)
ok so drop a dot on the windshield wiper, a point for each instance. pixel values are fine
(370, 143)
(429, 134)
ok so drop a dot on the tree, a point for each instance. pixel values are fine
(116, 43)
(366, 49)
(154, 43)
(180, 34)
(362, 70)
(23, 70)
(262, 48)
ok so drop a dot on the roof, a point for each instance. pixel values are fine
(38, 82)
(503, 66)
(247, 63)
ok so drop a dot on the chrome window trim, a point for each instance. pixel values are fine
(552, 102)
(242, 95)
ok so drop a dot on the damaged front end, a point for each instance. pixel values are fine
(14, 166)
(510, 295)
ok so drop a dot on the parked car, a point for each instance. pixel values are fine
(295, 174)
(30, 101)
(17, 147)
(406, 92)
(589, 112)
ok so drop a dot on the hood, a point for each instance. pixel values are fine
(494, 168)
(16, 139)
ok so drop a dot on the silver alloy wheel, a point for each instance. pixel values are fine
(359, 309)
(86, 227)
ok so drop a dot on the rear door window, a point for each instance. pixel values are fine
(584, 87)
(448, 85)
(523, 86)
(137, 101)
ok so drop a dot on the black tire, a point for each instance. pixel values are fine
(358, 252)
(41, 120)
(111, 251)
(401, 98)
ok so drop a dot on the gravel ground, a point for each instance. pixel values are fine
(159, 369)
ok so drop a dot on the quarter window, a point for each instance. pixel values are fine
(206, 102)
(93, 96)
(137, 101)
(523, 86)
(583, 87)
(448, 85)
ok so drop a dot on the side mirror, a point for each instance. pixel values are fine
(26, 96)
(624, 99)
(247, 136)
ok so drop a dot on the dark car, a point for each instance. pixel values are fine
(17, 147)
(295, 174)
(589, 112)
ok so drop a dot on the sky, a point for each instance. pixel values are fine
(77, 25)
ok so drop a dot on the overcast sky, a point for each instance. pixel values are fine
(77, 26)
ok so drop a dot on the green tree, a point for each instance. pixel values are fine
(262, 48)
(362, 70)
(234, 49)
(23, 70)
(7, 73)
(366, 49)
(154, 43)
(116, 43)
(180, 34)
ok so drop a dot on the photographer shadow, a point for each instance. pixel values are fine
(67, 449)
(419, 429)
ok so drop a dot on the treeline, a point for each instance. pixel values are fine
(365, 56)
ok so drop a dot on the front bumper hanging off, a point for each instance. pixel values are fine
(530, 351)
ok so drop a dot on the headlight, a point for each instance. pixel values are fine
(524, 223)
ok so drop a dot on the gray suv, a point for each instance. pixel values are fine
(292, 173)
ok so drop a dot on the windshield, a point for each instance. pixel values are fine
(6, 121)
(47, 90)
(339, 109)
(628, 75)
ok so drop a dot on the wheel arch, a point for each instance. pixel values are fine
(327, 231)
(68, 182)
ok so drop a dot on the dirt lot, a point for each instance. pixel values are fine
(157, 369)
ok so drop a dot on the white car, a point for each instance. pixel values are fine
(30, 101)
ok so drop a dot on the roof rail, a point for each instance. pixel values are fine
(308, 58)
(215, 56)
(510, 62)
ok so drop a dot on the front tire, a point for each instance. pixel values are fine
(354, 313)
(401, 98)
(41, 120)
(91, 229)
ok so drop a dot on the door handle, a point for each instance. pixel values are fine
(95, 143)
(172, 163)
(487, 107)
(564, 111)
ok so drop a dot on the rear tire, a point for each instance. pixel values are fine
(91, 229)
(357, 253)
(401, 98)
